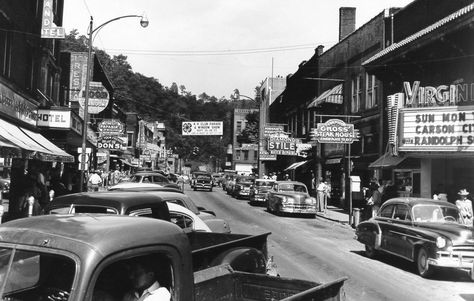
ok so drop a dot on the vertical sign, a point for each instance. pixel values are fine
(77, 76)
(49, 30)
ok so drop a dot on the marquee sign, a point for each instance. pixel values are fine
(335, 131)
(449, 129)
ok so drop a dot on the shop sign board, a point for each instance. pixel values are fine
(273, 129)
(98, 98)
(283, 146)
(110, 142)
(77, 74)
(54, 119)
(112, 127)
(335, 131)
(447, 129)
(17, 106)
(249, 146)
(416, 95)
(202, 128)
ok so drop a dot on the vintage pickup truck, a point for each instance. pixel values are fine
(85, 256)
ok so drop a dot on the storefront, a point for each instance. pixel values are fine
(26, 150)
(429, 86)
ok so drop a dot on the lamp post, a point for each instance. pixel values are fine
(237, 95)
(144, 23)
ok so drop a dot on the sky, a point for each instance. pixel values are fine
(216, 46)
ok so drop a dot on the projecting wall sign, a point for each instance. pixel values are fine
(202, 128)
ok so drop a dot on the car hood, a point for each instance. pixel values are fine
(295, 195)
(453, 231)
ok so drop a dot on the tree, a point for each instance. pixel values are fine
(250, 133)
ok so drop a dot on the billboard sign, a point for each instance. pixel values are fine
(202, 128)
(335, 131)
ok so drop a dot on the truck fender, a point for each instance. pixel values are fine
(249, 260)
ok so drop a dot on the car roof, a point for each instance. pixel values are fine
(412, 201)
(147, 188)
(90, 235)
(265, 180)
(121, 200)
(289, 182)
(148, 173)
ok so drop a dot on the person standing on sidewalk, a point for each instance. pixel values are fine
(321, 190)
(94, 181)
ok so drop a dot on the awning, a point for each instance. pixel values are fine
(387, 161)
(422, 33)
(333, 95)
(33, 145)
(295, 165)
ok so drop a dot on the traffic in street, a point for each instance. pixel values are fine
(322, 250)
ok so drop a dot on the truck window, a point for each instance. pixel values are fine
(31, 275)
(116, 280)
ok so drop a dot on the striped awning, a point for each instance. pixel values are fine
(295, 165)
(333, 95)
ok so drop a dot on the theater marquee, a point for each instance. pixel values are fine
(449, 129)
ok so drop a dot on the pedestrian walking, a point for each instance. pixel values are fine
(94, 181)
(375, 199)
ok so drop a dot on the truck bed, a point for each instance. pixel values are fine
(222, 283)
(206, 246)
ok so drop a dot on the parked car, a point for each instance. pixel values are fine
(232, 184)
(259, 190)
(216, 179)
(424, 231)
(290, 197)
(127, 203)
(5, 188)
(242, 187)
(152, 177)
(178, 197)
(201, 180)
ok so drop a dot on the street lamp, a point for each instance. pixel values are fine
(237, 95)
(144, 23)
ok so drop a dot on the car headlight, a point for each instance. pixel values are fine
(310, 200)
(286, 200)
(440, 242)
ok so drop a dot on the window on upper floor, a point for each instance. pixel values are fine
(130, 136)
(356, 93)
(371, 91)
(238, 127)
(246, 155)
(5, 52)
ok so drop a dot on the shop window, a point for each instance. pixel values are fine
(369, 143)
(130, 138)
(5, 52)
(238, 127)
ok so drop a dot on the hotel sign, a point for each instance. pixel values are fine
(49, 30)
(449, 129)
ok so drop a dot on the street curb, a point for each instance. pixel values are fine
(332, 219)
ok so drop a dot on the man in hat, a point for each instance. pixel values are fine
(465, 207)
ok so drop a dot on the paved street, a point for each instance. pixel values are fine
(322, 250)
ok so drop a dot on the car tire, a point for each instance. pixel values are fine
(210, 189)
(194, 188)
(425, 270)
(370, 251)
(268, 207)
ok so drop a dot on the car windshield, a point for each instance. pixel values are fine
(203, 177)
(292, 187)
(264, 183)
(135, 179)
(435, 213)
(31, 275)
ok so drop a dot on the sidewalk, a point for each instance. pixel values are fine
(335, 214)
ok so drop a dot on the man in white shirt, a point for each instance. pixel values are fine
(145, 285)
(94, 181)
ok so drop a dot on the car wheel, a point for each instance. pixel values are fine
(210, 189)
(370, 251)
(194, 188)
(424, 268)
(269, 209)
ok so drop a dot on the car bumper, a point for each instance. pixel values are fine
(294, 208)
(462, 261)
(202, 186)
(257, 198)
